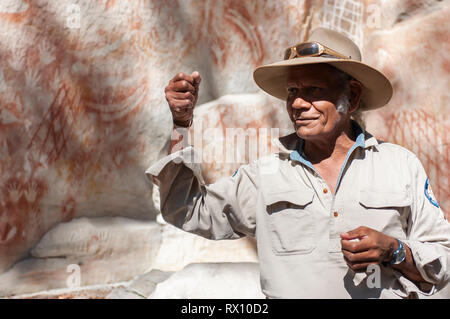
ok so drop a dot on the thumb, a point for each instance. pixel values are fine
(197, 78)
(355, 233)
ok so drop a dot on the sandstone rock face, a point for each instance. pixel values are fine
(106, 250)
(83, 252)
(197, 280)
(417, 116)
(83, 114)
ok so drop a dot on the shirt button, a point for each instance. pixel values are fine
(335, 214)
(325, 190)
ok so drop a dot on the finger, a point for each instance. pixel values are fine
(180, 95)
(360, 267)
(180, 108)
(182, 116)
(183, 86)
(356, 246)
(355, 233)
(363, 257)
(180, 111)
(182, 76)
(181, 104)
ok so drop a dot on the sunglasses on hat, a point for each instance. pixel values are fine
(308, 49)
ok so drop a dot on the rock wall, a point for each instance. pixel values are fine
(83, 114)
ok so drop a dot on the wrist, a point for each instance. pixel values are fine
(393, 246)
(184, 124)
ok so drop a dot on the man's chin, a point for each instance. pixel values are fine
(304, 132)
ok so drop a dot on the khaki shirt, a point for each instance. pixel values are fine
(282, 201)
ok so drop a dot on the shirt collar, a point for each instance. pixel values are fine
(293, 145)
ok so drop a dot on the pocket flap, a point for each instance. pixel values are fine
(300, 197)
(376, 199)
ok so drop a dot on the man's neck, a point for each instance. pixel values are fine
(330, 147)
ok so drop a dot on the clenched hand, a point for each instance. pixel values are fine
(182, 95)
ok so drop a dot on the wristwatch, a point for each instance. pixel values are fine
(399, 254)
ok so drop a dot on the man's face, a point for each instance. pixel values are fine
(314, 94)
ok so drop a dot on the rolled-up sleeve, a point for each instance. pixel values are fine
(428, 234)
(222, 210)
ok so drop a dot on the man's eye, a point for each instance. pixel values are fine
(292, 90)
(314, 90)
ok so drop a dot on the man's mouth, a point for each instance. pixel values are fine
(305, 119)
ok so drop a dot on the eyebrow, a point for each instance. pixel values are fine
(307, 82)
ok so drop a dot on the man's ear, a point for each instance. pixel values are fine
(355, 95)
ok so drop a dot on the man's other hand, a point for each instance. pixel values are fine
(364, 246)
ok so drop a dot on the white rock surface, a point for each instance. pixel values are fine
(212, 281)
(105, 237)
(141, 287)
(179, 249)
(200, 280)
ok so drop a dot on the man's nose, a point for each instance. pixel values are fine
(300, 103)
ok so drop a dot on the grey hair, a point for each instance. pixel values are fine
(343, 102)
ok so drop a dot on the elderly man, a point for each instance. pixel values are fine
(336, 213)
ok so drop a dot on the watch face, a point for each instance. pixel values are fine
(401, 255)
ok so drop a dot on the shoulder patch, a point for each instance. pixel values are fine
(429, 194)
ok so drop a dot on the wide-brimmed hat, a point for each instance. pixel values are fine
(377, 89)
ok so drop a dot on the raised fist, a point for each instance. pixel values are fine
(182, 95)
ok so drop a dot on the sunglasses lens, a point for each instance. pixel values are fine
(306, 49)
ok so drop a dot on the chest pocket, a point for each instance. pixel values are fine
(387, 211)
(291, 225)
